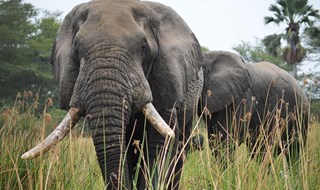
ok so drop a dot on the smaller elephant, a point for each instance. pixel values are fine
(249, 101)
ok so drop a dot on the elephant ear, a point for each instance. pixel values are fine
(175, 75)
(64, 60)
(226, 80)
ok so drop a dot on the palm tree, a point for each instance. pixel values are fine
(292, 13)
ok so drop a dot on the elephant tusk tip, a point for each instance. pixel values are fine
(171, 134)
(26, 156)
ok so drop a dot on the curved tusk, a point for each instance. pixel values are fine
(156, 120)
(68, 122)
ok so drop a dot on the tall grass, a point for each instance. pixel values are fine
(72, 164)
(238, 169)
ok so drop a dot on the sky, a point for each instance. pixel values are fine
(218, 24)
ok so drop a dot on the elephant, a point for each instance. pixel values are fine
(117, 64)
(246, 102)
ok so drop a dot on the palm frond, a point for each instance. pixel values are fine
(314, 13)
(275, 8)
(272, 43)
(300, 5)
(268, 19)
(307, 21)
(282, 3)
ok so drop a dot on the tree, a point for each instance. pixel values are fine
(204, 49)
(312, 38)
(25, 47)
(41, 41)
(15, 28)
(294, 14)
(258, 52)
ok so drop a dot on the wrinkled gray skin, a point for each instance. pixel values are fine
(110, 59)
(230, 81)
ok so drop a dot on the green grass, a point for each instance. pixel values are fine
(72, 163)
(238, 170)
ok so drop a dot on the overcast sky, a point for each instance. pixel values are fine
(218, 24)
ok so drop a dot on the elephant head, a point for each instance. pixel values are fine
(226, 79)
(250, 95)
(114, 60)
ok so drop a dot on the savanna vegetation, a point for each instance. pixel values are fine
(25, 46)
(28, 113)
(72, 163)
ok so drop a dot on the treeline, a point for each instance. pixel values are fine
(25, 47)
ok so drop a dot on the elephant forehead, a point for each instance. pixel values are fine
(118, 22)
(106, 17)
(117, 12)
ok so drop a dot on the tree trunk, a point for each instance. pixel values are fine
(294, 70)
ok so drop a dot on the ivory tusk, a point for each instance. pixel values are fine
(156, 120)
(68, 122)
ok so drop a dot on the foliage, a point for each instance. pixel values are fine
(313, 35)
(315, 108)
(204, 49)
(272, 44)
(42, 40)
(293, 14)
(258, 52)
(21, 127)
(15, 27)
(312, 38)
(311, 85)
(238, 170)
(25, 48)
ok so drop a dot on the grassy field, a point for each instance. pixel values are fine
(240, 171)
(72, 163)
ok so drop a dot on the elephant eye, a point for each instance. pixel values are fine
(75, 50)
(144, 47)
(145, 54)
(82, 18)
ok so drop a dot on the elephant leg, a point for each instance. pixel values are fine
(134, 139)
(186, 134)
(180, 148)
(156, 152)
(218, 127)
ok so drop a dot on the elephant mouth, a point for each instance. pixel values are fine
(71, 119)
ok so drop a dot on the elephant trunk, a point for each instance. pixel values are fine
(108, 123)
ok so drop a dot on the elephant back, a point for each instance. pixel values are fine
(277, 87)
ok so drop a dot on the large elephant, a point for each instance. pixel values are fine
(243, 100)
(117, 62)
